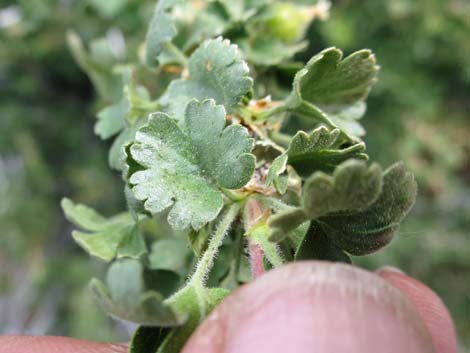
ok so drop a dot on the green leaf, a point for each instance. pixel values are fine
(320, 151)
(216, 71)
(162, 29)
(330, 89)
(111, 120)
(269, 51)
(316, 246)
(328, 79)
(184, 170)
(165, 282)
(367, 230)
(276, 174)
(117, 154)
(170, 253)
(124, 117)
(352, 186)
(148, 339)
(106, 238)
(97, 63)
(125, 296)
(210, 23)
(357, 209)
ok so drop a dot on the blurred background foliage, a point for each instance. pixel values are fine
(418, 112)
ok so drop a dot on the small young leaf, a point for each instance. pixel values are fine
(216, 71)
(327, 79)
(327, 87)
(185, 169)
(106, 238)
(367, 230)
(318, 151)
(357, 209)
(275, 174)
(352, 186)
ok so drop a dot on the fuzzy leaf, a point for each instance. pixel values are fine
(125, 296)
(148, 339)
(185, 169)
(276, 174)
(357, 210)
(162, 29)
(370, 229)
(217, 71)
(105, 238)
(352, 186)
(328, 86)
(319, 151)
(316, 246)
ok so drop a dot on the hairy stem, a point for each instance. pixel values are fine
(256, 260)
(271, 250)
(255, 218)
(207, 260)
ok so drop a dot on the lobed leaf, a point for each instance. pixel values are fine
(357, 210)
(185, 169)
(369, 229)
(319, 151)
(105, 238)
(216, 71)
(352, 186)
(331, 89)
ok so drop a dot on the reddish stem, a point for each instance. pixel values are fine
(256, 260)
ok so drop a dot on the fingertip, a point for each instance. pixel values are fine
(313, 306)
(429, 306)
(51, 344)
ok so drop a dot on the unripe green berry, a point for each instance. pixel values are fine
(287, 21)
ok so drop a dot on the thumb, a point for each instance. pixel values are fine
(314, 307)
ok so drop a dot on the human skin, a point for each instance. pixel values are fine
(301, 308)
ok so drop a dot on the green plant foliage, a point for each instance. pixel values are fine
(186, 168)
(161, 30)
(332, 89)
(211, 165)
(106, 239)
(417, 112)
(127, 296)
(202, 110)
(216, 71)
